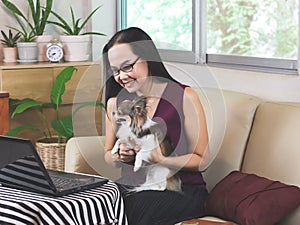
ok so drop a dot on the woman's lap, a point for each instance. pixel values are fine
(165, 207)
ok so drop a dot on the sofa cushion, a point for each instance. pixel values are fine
(250, 199)
(229, 119)
(273, 147)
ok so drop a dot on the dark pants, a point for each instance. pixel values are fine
(165, 207)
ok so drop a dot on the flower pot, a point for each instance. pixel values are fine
(76, 48)
(52, 153)
(10, 55)
(42, 42)
(27, 52)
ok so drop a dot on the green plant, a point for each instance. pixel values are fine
(11, 39)
(63, 126)
(75, 28)
(27, 35)
(39, 16)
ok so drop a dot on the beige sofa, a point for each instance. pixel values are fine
(252, 135)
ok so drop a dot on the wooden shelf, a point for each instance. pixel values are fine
(36, 80)
(14, 66)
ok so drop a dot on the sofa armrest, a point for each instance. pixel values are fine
(86, 155)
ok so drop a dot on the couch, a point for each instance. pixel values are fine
(247, 134)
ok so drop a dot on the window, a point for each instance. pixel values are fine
(168, 22)
(249, 34)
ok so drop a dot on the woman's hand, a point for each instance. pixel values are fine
(126, 154)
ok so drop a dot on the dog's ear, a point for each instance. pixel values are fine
(139, 105)
(140, 101)
(125, 107)
(137, 109)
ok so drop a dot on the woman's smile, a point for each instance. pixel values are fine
(129, 83)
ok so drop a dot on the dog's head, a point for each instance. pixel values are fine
(132, 114)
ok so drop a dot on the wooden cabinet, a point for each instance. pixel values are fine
(4, 112)
(35, 81)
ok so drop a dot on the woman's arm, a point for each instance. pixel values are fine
(196, 132)
(110, 136)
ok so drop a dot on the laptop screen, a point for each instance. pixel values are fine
(20, 167)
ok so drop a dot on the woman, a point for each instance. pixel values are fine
(133, 67)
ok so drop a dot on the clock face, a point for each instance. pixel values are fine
(54, 53)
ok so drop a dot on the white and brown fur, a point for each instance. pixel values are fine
(135, 128)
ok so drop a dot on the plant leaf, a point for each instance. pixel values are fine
(15, 102)
(15, 131)
(49, 105)
(93, 33)
(27, 104)
(45, 15)
(89, 17)
(59, 87)
(63, 23)
(33, 11)
(89, 104)
(64, 127)
(13, 8)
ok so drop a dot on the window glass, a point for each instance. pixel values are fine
(267, 29)
(168, 22)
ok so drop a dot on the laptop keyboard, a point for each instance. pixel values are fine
(65, 182)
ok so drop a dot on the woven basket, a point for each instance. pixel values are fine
(52, 154)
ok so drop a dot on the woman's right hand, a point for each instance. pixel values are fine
(126, 155)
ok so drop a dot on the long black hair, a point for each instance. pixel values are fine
(143, 46)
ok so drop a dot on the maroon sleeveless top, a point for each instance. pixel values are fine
(169, 115)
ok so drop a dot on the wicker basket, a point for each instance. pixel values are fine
(52, 154)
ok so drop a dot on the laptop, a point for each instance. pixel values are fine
(22, 168)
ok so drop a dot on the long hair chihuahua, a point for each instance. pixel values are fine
(136, 129)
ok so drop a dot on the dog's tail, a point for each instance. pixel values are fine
(174, 183)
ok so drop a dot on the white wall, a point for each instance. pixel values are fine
(278, 87)
(61, 7)
(275, 87)
(105, 23)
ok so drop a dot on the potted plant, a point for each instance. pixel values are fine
(62, 126)
(9, 42)
(33, 30)
(51, 145)
(27, 47)
(74, 39)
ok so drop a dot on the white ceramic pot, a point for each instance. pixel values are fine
(42, 42)
(10, 55)
(76, 48)
(27, 52)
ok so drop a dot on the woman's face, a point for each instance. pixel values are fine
(135, 72)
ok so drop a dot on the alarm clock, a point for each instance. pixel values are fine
(54, 52)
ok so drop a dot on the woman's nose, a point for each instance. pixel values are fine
(123, 75)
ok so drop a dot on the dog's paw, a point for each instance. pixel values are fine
(114, 151)
(136, 168)
(137, 164)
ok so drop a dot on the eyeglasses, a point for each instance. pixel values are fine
(125, 68)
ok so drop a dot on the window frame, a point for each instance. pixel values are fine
(199, 55)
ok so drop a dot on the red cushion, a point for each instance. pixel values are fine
(250, 199)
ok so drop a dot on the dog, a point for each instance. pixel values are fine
(136, 129)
